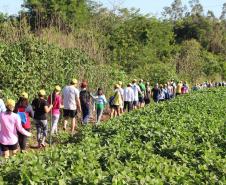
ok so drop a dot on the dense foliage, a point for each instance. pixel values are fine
(30, 65)
(177, 142)
(185, 43)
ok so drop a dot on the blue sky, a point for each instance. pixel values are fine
(154, 7)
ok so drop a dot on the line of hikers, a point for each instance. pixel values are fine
(15, 123)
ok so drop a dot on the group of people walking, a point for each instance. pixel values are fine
(15, 122)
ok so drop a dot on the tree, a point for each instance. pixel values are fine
(189, 61)
(175, 11)
(223, 13)
(196, 7)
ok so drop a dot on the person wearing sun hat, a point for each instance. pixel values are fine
(136, 91)
(10, 124)
(41, 108)
(56, 100)
(71, 103)
(117, 101)
(25, 111)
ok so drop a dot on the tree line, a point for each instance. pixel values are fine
(184, 43)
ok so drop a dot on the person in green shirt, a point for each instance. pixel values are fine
(142, 93)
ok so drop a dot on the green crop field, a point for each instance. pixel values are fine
(175, 142)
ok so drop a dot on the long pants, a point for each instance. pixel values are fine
(99, 114)
(42, 128)
(55, 120)
(128, 105)
(85, 114)
(22, 140)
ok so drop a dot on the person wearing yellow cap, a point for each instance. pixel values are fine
(41, 108)
(55, 99)
(10, 124)
(71, 103)
(25, 111)
(116, 102)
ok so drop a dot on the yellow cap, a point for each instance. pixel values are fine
(120, 83)
(134, 80)
(57, 88)
(10, 103)
(74, 81)
(24, 95)
(117, 85)
(42, 92)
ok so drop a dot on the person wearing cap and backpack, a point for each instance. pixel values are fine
(10, 125)
(116, 102)
(56, 100)
(41, 108)
(25, 111)
(121, 93)
(142, 94)
(85, 100)
(71, 103)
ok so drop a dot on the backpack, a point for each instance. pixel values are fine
(111, 100)
(22, 115)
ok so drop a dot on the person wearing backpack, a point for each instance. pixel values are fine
(85, 100)
(10, 125)
(116, 102)
(121, 90)
(25, 111)
(56, 100)
(142, 93)
(100, 102)
(41, 108)
(155, 93)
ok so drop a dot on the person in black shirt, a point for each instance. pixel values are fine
(155, 92)
(41, 108)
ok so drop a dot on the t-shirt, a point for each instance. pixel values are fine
(136, 90)
(179, 87)
(9, 125)
(100, 101)
(39, 108)
(156, 92)
(56, 104)
(143, 90)
(117, 97)
(2, 106)
(70, 93)
(85, 98)
(128, 94)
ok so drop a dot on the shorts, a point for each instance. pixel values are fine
(135, 103)
(116, 107)
(8, 147)
(141, 99)
(69, 113)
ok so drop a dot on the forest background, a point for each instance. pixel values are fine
(50, 42)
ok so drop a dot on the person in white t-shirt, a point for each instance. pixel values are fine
(136, 91)
(128, 97)
(71, 104)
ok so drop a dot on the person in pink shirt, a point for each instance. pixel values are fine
(10, 123)
(57, 104)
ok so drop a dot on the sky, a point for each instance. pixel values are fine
(153, 7)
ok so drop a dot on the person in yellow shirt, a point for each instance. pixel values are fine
(117, 101)
(178, 89)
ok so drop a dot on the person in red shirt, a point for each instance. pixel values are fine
(25, 111)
